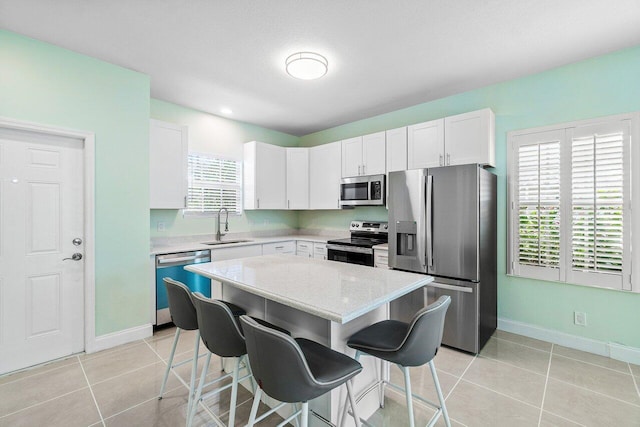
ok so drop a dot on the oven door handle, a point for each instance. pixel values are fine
(355, 249)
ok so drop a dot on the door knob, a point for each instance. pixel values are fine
(76, 257)
(77, 241)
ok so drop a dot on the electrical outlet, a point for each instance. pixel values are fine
(580, 318)
(161, 226)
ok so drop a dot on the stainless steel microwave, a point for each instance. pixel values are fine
(363, 191)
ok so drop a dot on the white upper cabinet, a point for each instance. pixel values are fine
(324, 176)
(364, 155)
(297, 178)
(374, 153)
(425, 144)
(264, 173)
(352, 157)
(168, 150)
(455, 140)
(397, 149)
(470, 138)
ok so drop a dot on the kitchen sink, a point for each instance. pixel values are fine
(225, 242)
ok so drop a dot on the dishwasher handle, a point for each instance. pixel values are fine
(183, 258)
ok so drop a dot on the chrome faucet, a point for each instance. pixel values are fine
(226, 224)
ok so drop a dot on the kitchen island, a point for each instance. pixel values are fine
(324, 301)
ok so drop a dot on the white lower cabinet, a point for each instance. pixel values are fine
(287, 247)
(320, 250)
(304, 248)
(381, 258)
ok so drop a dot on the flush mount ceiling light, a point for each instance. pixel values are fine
(306, 65)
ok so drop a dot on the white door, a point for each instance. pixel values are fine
(374, 154)
(425, 145)
(324, 176)
(397, 149)
(352, 157)
(297, 178)
(470, 138)
(271, 171)
(41, 213)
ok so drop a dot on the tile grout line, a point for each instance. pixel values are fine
(566, 357)
(41, 403)
(523, 345)
(635, 382)
(597, 392)
(460, 377)
(91, 391)
(546, 383)
(594, 364)
(502, 394)
(421, 405)
(38, 373)
(566, 419)
(141, 403)
(510, 364)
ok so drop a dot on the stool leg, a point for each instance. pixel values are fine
(191, 411)
(254, 408)
(382, 382)
(234, 394)
(445, 414)
(407, 387)
(352, 400)
(169, 362)
(194, 370)
(305, 414)
(295, 409)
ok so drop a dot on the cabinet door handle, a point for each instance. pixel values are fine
(363, 173)
(258, 203)
(279, 247)
(358, 169)
(448, 159)
(440, 159)
(288, 204)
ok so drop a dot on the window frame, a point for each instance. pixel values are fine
(565, 273)
(208, 214)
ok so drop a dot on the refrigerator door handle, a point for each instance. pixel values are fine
(428, 221)
(420, 231)
(464, 289)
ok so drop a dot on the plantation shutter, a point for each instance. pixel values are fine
(597, 204)
(538, 205)
(214, 183)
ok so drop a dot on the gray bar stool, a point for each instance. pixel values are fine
(183, 315)
(294, 371)
(221, 333)
(407, 344)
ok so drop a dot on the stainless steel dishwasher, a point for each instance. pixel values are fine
(172, 265)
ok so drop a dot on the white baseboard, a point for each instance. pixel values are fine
(113, 339)
(607, 349)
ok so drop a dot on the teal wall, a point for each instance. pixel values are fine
(596, 87)
(45, 84)
(218, 135)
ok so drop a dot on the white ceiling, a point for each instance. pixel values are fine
(383, 55)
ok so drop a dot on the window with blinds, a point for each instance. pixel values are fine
(539, 204)
(597, 202)
(570, 199)
(214, 183)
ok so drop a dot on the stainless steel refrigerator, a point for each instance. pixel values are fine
(442, 222)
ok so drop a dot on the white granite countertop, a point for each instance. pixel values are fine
(335, 291)
(168, 248)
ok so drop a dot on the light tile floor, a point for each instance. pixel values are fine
(515, 381)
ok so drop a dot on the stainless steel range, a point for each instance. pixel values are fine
(358, 249)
